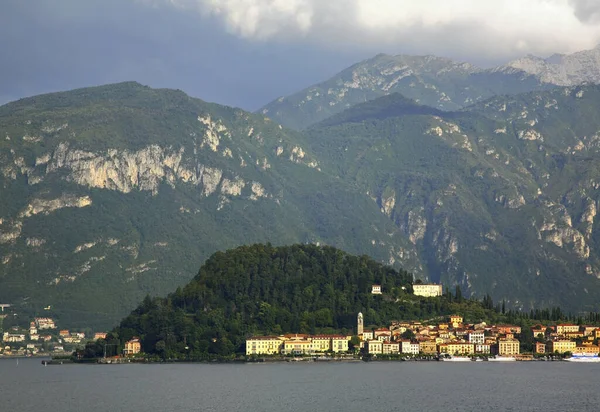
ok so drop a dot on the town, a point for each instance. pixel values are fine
(445, 339)
(41, 338)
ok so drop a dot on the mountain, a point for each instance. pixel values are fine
(433, 81)
(114, 192)
(559, 69)
(500, 198)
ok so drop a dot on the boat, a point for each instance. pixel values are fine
(502, 359)
(456, 359)
(584, 357)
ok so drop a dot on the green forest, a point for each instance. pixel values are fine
(262, 290)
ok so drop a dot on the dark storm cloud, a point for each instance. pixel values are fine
(248, 52)
(88, 43)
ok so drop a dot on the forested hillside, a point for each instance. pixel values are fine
(262, 289)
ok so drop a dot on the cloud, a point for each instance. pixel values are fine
(492, 28)
(587, 11)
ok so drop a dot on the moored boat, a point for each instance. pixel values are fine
(502, 359)
(456, 359)
(584, 357)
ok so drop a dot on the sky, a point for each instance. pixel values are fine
(246, 53)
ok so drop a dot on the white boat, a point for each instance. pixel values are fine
(502, 359)
(583, 357)
(456, 359)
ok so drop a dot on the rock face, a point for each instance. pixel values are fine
(115, 192)
(559, 69)
(432, 81)
(498, 196)
(429, 80)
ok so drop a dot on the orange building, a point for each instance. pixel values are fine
(132, 347)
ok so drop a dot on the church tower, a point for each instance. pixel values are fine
(360, 324)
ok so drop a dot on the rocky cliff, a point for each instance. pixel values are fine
(110, 193)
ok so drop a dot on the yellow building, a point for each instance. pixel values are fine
(508, 347)
(428, 291)
(390, 348)
(454, 348)
(563, 345)
(339, 344)
(297, 347)
(540, 347)
(587, 349)
(263, 345)
(132, 347)
(456, 320)
(428, 347)
(375, 347)
(321, 343)
(566, 328)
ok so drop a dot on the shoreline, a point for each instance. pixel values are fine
(126, 361)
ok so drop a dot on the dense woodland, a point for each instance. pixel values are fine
(262, 289)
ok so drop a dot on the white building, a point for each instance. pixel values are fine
(427, 290)
(409, 347)
(13, 337)
(376, 290)
(45, 323)
(476, 337)
(483, 348)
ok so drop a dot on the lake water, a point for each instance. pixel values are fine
(314, 387)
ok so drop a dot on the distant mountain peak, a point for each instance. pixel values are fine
(560, 69)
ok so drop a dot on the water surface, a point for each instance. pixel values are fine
(314, 387)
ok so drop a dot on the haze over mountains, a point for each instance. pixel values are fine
(483, 178)
(432, 81)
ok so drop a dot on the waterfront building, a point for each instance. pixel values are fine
(132, 347)
(409, 347)
(428, 347)
(457, 348)
(297, 346)
(263, 345)
(374, 347)
(367, 335)
(483, 348)
(339, 343)
(563, 345)
(587, 349)
(321, 343)
(427, 290)
(508, 346)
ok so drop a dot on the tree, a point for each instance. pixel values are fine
(408, 334)
(458, 294)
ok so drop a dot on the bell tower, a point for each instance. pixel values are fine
(360, 324)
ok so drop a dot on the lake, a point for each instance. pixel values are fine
(319, 387)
